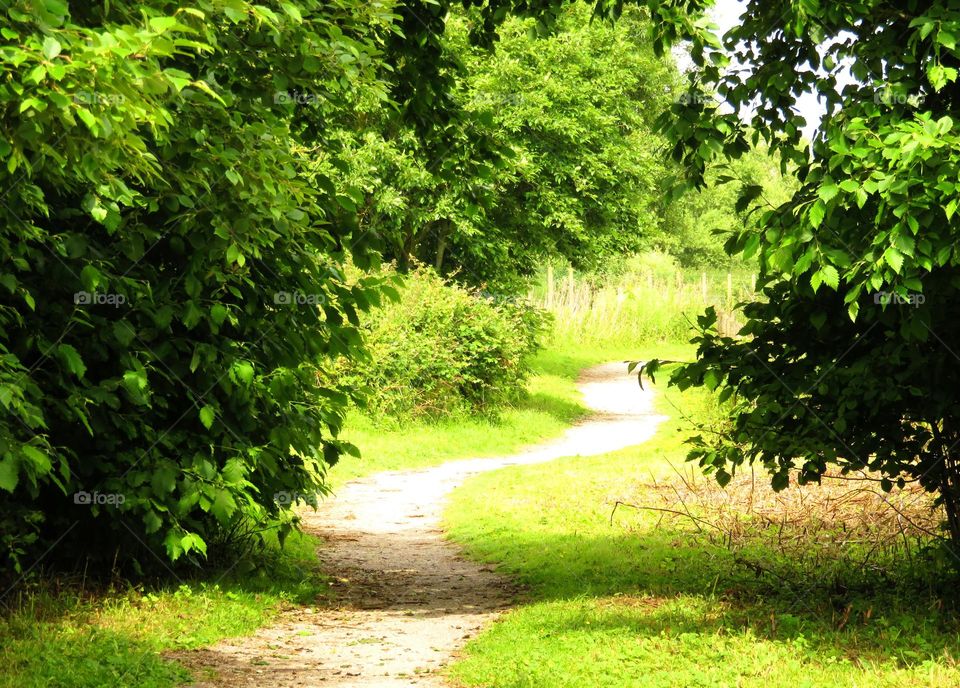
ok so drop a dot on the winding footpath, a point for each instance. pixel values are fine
(406, 600)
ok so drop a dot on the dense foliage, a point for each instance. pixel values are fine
(586, 176)
(181, 188)
(849, 359)
(170, 285)
(553, 152)
(443, 350)
(702, 219)
(179, 200)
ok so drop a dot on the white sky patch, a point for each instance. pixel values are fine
(726, 15)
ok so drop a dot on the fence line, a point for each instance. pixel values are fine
(643, 305)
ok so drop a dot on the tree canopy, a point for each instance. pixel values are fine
(847, 358)
(549, 149)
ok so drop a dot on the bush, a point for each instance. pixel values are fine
(158, 226)
(444, 349)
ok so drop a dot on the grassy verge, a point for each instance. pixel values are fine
(651, 601)
(552, 405)
(60, 636)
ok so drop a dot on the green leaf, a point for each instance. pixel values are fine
(223, 506)
(192, 541)
(242, 371)
(780, 480)
(853, 309)
(171, 542)
(192, 314)
(711, 378)
(218, 313)
(51, 47)
(893, 258)
(34, 103)
(816, 213)
(164, 478)
(90, 277)
(816, 279)
(39, 459)
(87, 117)
(71, 358)
(233, 254)
(9, 475)
(207, 414)
(950, 208)
(828, 191)
(37, 74)
(195, 360)
(750, 246)
(135, 380)
(293, 11)
(830, 276)
(152, 521)
(162, 24)
(124, 332)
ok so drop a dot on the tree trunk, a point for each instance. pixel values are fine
(441, 248)
(949, 484)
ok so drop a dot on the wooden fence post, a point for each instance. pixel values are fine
(549, 286)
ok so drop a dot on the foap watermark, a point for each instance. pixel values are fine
(295, 97)
(496, 298)
(297, 298)
(97, 98)
(98, 498)
(95, 298)
(889, 96)
(496, 100)
(886, 298)
(697, 99)
(285, 498)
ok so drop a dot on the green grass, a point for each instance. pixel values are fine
(633, 604)
(61, 637)
(552, 405)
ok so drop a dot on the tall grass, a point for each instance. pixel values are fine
(651, 300)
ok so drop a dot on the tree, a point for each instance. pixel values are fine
(548, 150)
(171, 285)
(700, 220)
(848, 358)
(586, 177)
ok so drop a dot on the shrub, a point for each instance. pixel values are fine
(156, 386)
(444, 349)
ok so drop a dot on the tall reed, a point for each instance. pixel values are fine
(646, 305)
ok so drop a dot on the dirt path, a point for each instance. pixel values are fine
(407, 599)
